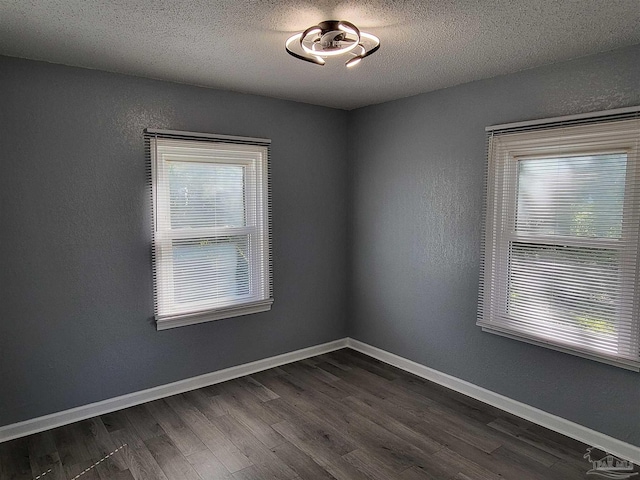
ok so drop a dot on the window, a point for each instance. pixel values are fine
(560, 254)
(212, 242)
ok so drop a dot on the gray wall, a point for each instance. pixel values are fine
(76, 298)
(416, 176)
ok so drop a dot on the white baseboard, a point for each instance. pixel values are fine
(552, 422)
(570, 429)
(39, 424)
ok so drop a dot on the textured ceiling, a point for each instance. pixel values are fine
(239, 45)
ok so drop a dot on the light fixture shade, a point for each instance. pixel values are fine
(332, 38)
(353, 61)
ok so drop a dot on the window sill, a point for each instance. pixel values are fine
(618, 362)
(174, 321)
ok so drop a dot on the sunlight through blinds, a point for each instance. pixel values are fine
(212, 236)
(560, 251)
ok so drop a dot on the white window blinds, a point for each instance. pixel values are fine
(560, 253)
(212, 237)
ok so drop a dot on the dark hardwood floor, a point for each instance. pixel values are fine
(337, 416)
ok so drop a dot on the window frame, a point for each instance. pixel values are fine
(222, 150)
(501, 230)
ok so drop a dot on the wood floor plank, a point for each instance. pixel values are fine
(71, 448)
(337, 416)
(462, 476)
(101, 448)
(250, 414)
(360, 379)
(122, 475)
(180, 433)
(145, 425)
(171, 461)
(376, 367)
(523, 448)
(447, 401)
(300, 462)
(464, 465)
(263, 432)
(44, 457)
(327, 458)
(14, 460)
(313, 427)
(115, 420)
(49, 466)
(249, 473)
(398, 453)
(398, 428)
(492, 462)
(211, 436)
(334, 360)
(41, 444)
(208, 466)
(84, 470)
(510, 463)
(370, 465)
(285, 387)
(307, 378)
(310, 371)
(139, 460)
(464, 429)
(417, 473)
(210, 406)
(395, 452)
(372, 384)
(472, 431)
(127, 435)
(245, 400)
(569, 444)
(258, 389)
(541, 443)
(251, 447)
(313, 363)
(385, 407)
(436, 392)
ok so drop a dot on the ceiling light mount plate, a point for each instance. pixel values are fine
(332, 38)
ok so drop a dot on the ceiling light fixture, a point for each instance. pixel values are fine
(332, 38)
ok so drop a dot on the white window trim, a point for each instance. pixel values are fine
(253, 154)
(499, 233)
